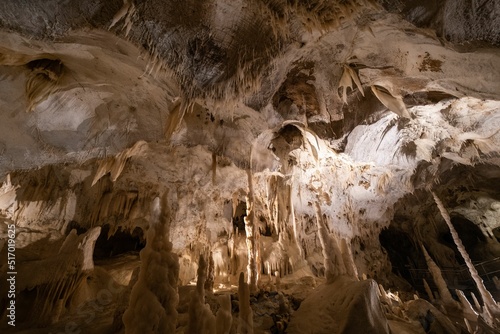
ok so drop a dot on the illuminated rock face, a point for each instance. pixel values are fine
(290, 141)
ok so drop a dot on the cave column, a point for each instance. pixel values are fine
(334, 263)
(252, 237)
(149, 299)
(488, 299)
(245, 319)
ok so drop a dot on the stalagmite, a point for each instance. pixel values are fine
(252, 237)
(209, 281)
(351, 268)
(334, 264)
(469, 328)
(439, 280)
(428, 291)
(496, 281)
(154, 298)
(489, 301)
(224, 319)
(466, 306)
(277, 280)
(117, 325)
(201, 318)
(476, 302)
(245, 318)
(436, 295)
(383, 295)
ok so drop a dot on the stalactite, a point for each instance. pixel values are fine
(126, 11)
(122, 205)
(201, 319)
(245, 319)
(7, 194)
(294, 224)
(232, 255)
(283, 208)
(271, 193)
(252, 237)
(439, 280)
(51, 297)
(154, 298)
(489, 301)
(334, 264)
(234, 202)
(114, 165)
(72, 264)
(176, 116)
(43, 80)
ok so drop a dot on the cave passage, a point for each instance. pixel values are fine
(239, 217)
(120, 242)
(402, 252)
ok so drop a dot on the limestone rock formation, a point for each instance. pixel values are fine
(312, 145)
(154, 297)
(201, 319)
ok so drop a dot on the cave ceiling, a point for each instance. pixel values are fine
(87, 80)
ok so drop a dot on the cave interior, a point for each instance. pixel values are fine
(265, 166)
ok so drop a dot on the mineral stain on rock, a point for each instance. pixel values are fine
(430, 64)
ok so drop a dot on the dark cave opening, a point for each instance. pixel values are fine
(446, 239)
(471, 236)
(265, 229)
(74, 225)
(496, 233)
(122, 241)
(402, 252)
(239, 217)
